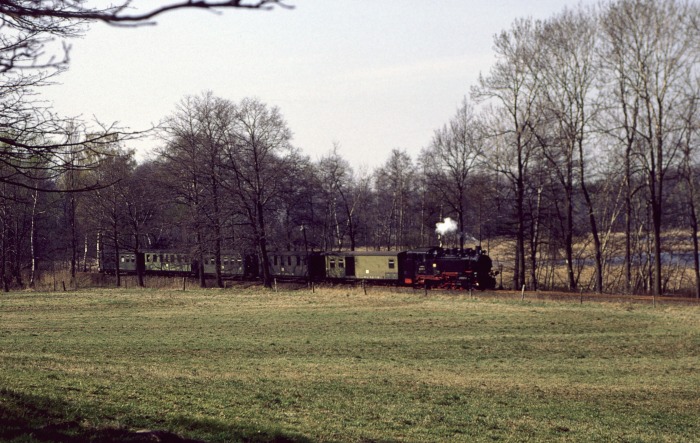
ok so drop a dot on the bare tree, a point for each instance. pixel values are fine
(689, 168)
(513, 86)
(622, 119)
(568, 68)
(450, 159)
(143, 199)
(662, 40)
(393, 186)
(107, 209)
(259, 161)
(337, 180)
(211, 118)
(196, 134)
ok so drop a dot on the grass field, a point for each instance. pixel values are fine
(338, 365)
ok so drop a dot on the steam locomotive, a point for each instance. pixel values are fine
(449, 268)
(433, 267)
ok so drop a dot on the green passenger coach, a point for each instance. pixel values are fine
(384, 265)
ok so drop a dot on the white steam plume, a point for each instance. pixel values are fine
(446, 226)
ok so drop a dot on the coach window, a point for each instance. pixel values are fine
(341, 263)
(289, 260)
(274, 259)
(332, 263)
(391, 263)
(298, 260)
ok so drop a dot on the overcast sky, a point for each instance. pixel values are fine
(369, 75)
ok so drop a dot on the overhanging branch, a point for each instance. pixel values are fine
(77, 10)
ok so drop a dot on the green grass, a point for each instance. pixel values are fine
(338, 365)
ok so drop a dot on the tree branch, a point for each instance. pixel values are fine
(77, 10)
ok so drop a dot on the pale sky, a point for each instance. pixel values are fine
(369, 75)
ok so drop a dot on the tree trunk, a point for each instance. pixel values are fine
(3, 257)
(33, 242)
(85, 253)
(73, 237)
(696, 247)
(139, 263)
(217, 232)
(262, 244)
(569, 244)
(519, 270)
(628, 224)
(534, 239)
(117, 265)
(200, 263)
(594, 225)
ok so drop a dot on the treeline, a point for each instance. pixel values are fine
(577, 150)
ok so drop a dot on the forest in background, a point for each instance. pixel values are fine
(574, 159)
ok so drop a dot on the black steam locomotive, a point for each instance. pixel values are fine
(433, 267)
(449, 268)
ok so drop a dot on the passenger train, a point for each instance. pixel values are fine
(433, 267)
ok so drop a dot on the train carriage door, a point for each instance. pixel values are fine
(332, 268)
(349, 266)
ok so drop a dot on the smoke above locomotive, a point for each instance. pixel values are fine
(446, 226)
